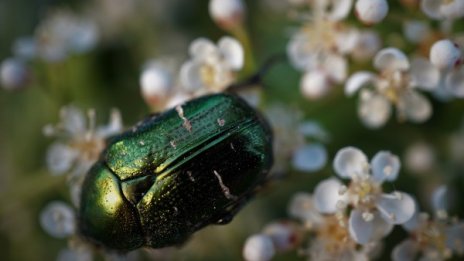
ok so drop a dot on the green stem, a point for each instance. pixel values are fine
(242, 35)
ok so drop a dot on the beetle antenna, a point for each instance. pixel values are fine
(257, 78)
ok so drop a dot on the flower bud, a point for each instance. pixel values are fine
(445, 54)
(258, 248)
(371, 11)
(227, 14)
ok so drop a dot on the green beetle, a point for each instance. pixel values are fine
(174, 173)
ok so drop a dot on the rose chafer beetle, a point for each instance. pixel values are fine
(174, 173)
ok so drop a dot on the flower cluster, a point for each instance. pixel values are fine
(210, 69)
(345, 222)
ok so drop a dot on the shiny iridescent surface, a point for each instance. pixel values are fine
(174, 173)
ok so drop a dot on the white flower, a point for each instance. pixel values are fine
(58, 219)
(258, 248)
(416, 31)
(25, 48)
(374, 212)
(431, 239)
(211, 68)
(443, 9)
(371, 11)
(14, 74)
(445, 55)
(228, 14)
(319, 46)
(396, 85)
(79, 144)
(62, 33)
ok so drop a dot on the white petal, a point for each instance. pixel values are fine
(327, 195)
(455, 237)
(314, 130)
(155, 83)
(431, 8)
(424, 74)
(14, 74)
(385, 166)
(73, 120)
(190, 76)
(350, 161)
(445, 54)
(202, 48)
(367, 46)
(315, 84)
(58, 219)
(339, 9)
(358, 80)
(391, 59)
(452, 9)
(60, 158)
(405, 251)
(284, 235)
(360, 230)
(374, 109)
(396, 208)
(414, 222)
(416, 31)
(335, 68)
(440, 198)
(302, 207)
(258, 248)
(454, 82)
(227, 13)
(232, 51)
(420, 157)
(371, 11)
(415, 106)
(381, 228)
(310, 158)
(347, 40)
(300, 55)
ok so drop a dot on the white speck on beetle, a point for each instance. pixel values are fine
(187, 125)
(221, 122)
(142, 143)
(225, 189)
(189, 173)
(232, 146)
(173, 144)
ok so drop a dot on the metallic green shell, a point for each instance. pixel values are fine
(175, 173)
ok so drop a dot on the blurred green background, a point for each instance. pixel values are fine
(108, 76)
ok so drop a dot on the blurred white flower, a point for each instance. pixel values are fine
(396, 85)
(446, 55)
(416, 31)
(25, 48)
(310, 157)
(58, 219)
(437, 238)
(284, 123)
(14, 74)
(258, 248)
(329, 236)
(368, 44)
(211, 68)
(371, 11)
(443, 9)
(63, 33)
(374, 212)
(156, 83)
(319, 46)
(79, 144)
(420, 158)
(285, 235)
(227, 14)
